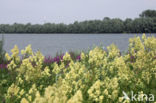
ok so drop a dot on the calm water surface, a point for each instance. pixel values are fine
(49, 44)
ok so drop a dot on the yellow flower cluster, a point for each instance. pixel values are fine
(95, 92)
(27, 50)
(13, 90)
(99, 77)
(96, 56)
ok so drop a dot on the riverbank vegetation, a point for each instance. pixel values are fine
(146, 23)
(98, 76)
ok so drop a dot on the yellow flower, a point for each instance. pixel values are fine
(24, 100)
(21, 92)
(66, 57)
(77, 98)
(82, 56)
(102, 74)
(101, 97)
(120, 99)
(106, 92)
(30, 98)
(22, 52)
(7, 56)
(143, 36)
(46, 72)
(13, 90)
(15, 51)
(28, 50)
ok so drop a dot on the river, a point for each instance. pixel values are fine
(50, 44)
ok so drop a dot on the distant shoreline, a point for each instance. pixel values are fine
(145, 23)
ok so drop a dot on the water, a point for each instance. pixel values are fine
(50, 44)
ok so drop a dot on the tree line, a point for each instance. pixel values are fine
(145, 23)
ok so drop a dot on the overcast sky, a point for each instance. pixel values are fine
(67, 11)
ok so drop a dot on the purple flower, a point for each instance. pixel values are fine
(54, 59)
(78, 57)
(57, 59)
(62, 56)
(48, 60)
(3, 66)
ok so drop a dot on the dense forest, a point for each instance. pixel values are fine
(145, 23)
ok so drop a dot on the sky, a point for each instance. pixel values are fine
(68, 11)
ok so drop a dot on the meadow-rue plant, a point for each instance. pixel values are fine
(99, 76)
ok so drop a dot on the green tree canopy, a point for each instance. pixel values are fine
(148, 13)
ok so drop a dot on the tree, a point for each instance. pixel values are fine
(148, 13)
(146, 23)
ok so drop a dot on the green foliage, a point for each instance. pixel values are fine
(148, 13)
(2, 51)
(145, 24)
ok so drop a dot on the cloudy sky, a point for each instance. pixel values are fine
(67, 11)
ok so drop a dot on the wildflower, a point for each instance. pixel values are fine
(24, 100)
(28, 50)
(48, 60)
(7, 57)
(15, 51)
(66, 57)
(22, 52)
(121, 99)
(12, 91)
(103, 74)
(82, 56)
(77, 98)
(46, 72)
(106, 92)
(78, 57)
(21, 92)
(101, 98)
(3, 66)
(62, 56)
